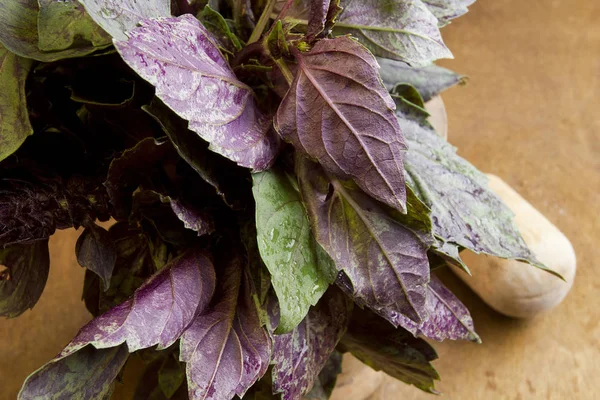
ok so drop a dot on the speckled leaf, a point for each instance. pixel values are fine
(394, 351)
(87, 374)
(385, 261)
(445, 10)
(63, 24)
(465, 212)
(14, 118)
(429, 81)
(19, 33)
(97, 252)
(299, 356)
(300, 271)
(179, 57)
(117, 17)
(24, 279)
(226, 348)
(338, 112)
(402, 30)
(159, 311)
(447, 317)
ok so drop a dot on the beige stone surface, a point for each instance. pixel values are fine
(529, 115)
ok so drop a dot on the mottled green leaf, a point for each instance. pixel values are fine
(97, 252)
(24, 279)
(119, 16)
(393, 351)
(14, 118)
(445, 10)
(429, 81)
(217, 25)
(465, 212)
(403, 30)
(88, 374)
(19, 33)
(63, 24)
(300, 269)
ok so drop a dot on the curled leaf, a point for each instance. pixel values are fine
(87, 374)
(300, 271)
(178, 56)
(24, 277)
(403, 30)
(299, 356)
(338, 112)
(225, 348)
(385, 261)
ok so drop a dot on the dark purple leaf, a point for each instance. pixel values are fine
(179, 57)
(226, 348)
(132, 168)
(321, 16)
(429, 81)
(445, 10)
(327, 378)
(299, 356)
(171, 376)
(217, 171)
(96, 251)
(385, 261)
(338, 112)
(447, 317)
(159, 311)
(192, 217)
(87, 374)
(403, 30)
(393, 351)
(23, 274)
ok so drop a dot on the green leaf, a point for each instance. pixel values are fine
(393, 351)
(86, 374)
(14, 118)
(300, 269)
(171, 376)
(25, 276)
(277, 42)
(19, 33)
(403, 30)
(217, 25)
(63, 23)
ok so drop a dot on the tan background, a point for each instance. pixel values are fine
(530, 115)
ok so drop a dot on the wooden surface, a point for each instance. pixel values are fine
(530, 114)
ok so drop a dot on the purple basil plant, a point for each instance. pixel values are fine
(276, 192)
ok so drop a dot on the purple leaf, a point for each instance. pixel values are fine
(338, 112)
(403, 30)
(385, 261)
(300, 355)
(226, 348)
(321, 17)
(159, 311)
(24, 277)
(447, 317)
(179, 57)
(192, 218)
(97, 252)
(87, 374)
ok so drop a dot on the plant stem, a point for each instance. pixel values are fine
(285, 70)
(262, 22)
